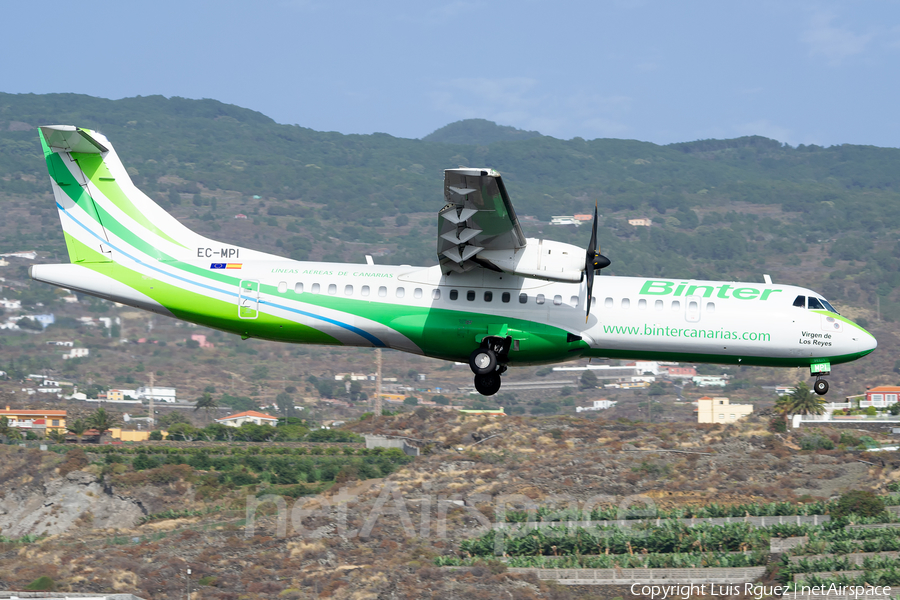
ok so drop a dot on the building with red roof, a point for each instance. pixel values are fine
(248, 416)
(881, 396)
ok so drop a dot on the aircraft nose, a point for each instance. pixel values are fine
(866, 342)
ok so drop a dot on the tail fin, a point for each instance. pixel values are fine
(101, 211)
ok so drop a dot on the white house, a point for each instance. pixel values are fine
(6, 304)
(598, 405)
(709, 381)
(248, 416)
(77, 353)
(163, 394)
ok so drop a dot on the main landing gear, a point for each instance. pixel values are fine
(488, 362)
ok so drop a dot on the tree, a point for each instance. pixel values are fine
(858, 502)
(411, 401)
(207, 403)
(56, 436)
(101, 420)
(285, 404)
(183, 431)
(588, 380)
(78, 427)
(170, 419)
(440, 399)
(5, 427)
(802, 401)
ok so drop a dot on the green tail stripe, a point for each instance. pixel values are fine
(95, 169)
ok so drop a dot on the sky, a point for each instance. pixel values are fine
(800, 72)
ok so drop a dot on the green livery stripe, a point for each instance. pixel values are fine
(755, 361)
(212, 312)
(93, 166)
(85, 253)
(840, 318)
(451, 335)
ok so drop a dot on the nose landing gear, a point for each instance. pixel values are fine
(820, 370)
(488, 362)
(820, 386)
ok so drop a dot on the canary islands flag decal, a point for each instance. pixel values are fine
(225, 265)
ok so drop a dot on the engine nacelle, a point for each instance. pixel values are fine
(540, 259)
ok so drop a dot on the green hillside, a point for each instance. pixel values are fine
(826, 217)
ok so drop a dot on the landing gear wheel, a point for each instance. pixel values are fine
(487, 385)
(820, 387)
(483, 361)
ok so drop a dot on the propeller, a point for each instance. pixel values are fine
(593, 261)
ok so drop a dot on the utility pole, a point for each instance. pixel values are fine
(152, 414)
(377, 382)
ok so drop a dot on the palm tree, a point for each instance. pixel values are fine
(102, 421)
(56, 436)
(207, 403)
(78, 427)
(803, 401)
(5, 427)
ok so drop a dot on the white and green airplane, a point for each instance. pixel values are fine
(495, 300)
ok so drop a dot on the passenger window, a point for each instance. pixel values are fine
(315, 288)
(523, 298)
(608, 303)
(800, 301)
(488, 296)
(348, 290)
(282, 287)
(364, 290)
(539, 299)
(574, 301)
(332, 289)
(626, 303)
(454, 294)
(814, 304)
(693, 306)
(676, 305)
(401, 292)
(642, 304)
(557, 300)
(436, 294)
(710, 307)
(504, 297)
(470, 295)
(298, 288)
(417, 293)
(658, 305)
(382, 292)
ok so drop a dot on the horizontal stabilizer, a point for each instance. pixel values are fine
(67, 138)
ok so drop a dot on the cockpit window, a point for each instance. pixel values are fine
(814, 304)
(829, 307)
(800, 301)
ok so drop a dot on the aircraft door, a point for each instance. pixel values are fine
(692, 309)
(248, 299)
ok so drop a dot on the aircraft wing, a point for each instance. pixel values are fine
(478, 218)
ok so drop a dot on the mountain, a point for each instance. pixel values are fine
(732, 209)
(478, 132)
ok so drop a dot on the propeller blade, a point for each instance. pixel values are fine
(590, 292)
